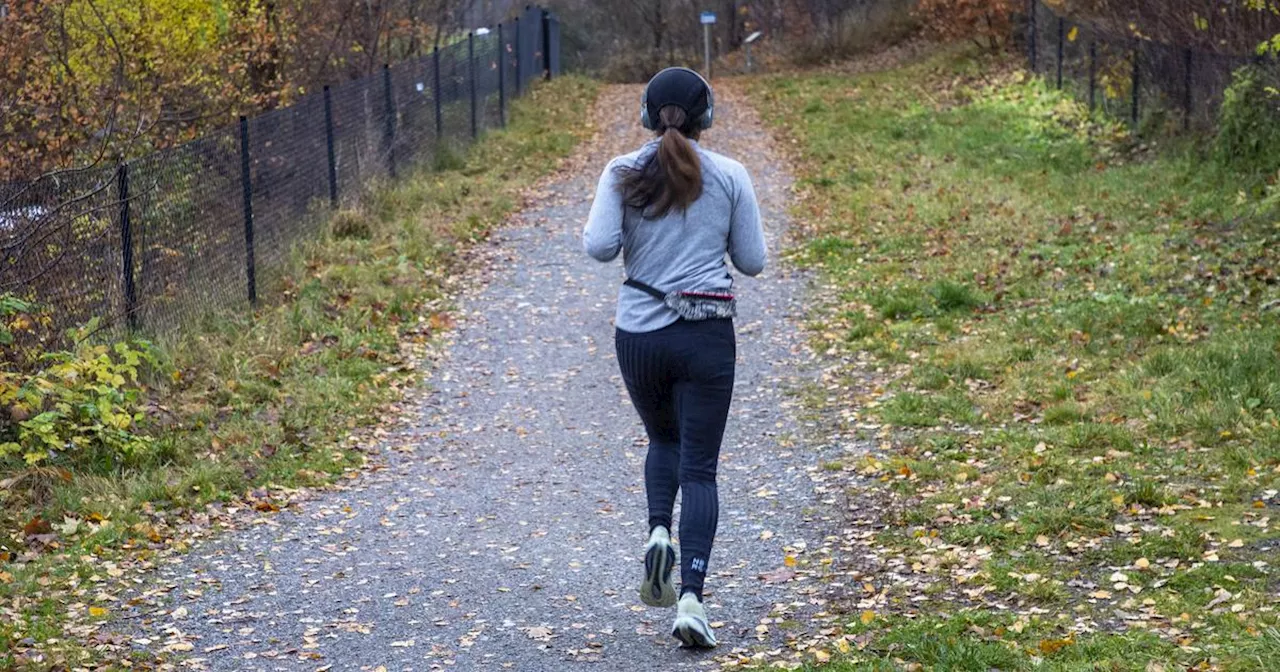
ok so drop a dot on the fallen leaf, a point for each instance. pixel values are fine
(780, 575)
(1051, 646)
(36, 526)
(540, 633)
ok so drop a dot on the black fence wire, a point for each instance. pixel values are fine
(1142, 81)
(158, 241)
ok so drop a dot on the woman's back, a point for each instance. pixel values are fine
(683, 248)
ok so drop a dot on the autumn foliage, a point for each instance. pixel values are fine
(986, 22)
(83, 80)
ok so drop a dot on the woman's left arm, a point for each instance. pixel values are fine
(746, 236)
(602, 238)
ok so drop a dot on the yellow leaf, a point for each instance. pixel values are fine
(6, 577)
(789, 560)
(821, 656)
(842, 645)
(1142, 563)
(97, 611)
(1051, 646)
(867, 617)
(1075, 32)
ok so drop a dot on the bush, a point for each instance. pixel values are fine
(10, 308)
(83, 409)
(1249, 127)
(989, 23)
(858, 28)
(351, 224)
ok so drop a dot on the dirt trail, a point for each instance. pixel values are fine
(506, 530)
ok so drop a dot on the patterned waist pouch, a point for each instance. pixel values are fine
(693, 306)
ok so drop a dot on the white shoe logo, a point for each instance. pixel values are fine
(699, 565)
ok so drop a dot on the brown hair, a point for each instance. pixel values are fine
(672, 176)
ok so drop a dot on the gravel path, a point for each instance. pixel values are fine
(506, 529)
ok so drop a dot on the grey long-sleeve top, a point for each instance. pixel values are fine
(683, 250)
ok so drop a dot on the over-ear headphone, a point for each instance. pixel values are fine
(703, 120)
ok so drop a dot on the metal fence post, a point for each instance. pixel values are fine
(333, 155)
(391, 120)
(502, 77)
(555, 46)
(435, 67)
(246, 186)
(546, 44)
(1137, 75)
(1062, 38)
(1031, 33)
(519, 57)
(471, 75)
(126, 247)
(1093, 74)
(1187, 62)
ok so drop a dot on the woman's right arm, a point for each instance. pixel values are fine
(602, 238)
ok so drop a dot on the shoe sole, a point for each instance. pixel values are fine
(657, 590)
(692, 633)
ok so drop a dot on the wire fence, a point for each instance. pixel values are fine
(156, 242)
(1148, 83)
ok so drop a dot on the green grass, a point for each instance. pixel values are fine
(261, 403)
(1089, 378)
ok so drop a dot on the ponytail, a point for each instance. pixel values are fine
(672, 176)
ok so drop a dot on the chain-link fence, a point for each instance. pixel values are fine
(1129, 77)
(160, 240)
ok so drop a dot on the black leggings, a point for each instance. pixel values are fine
(680, 379)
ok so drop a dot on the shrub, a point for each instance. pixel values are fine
(82, 409)
(988, 23)
(351, 224)
(11, 310)
(1249, 127)
(855, 28)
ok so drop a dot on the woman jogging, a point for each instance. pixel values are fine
(674, 209)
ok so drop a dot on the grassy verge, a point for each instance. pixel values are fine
(1075, 374)
(251, 407)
